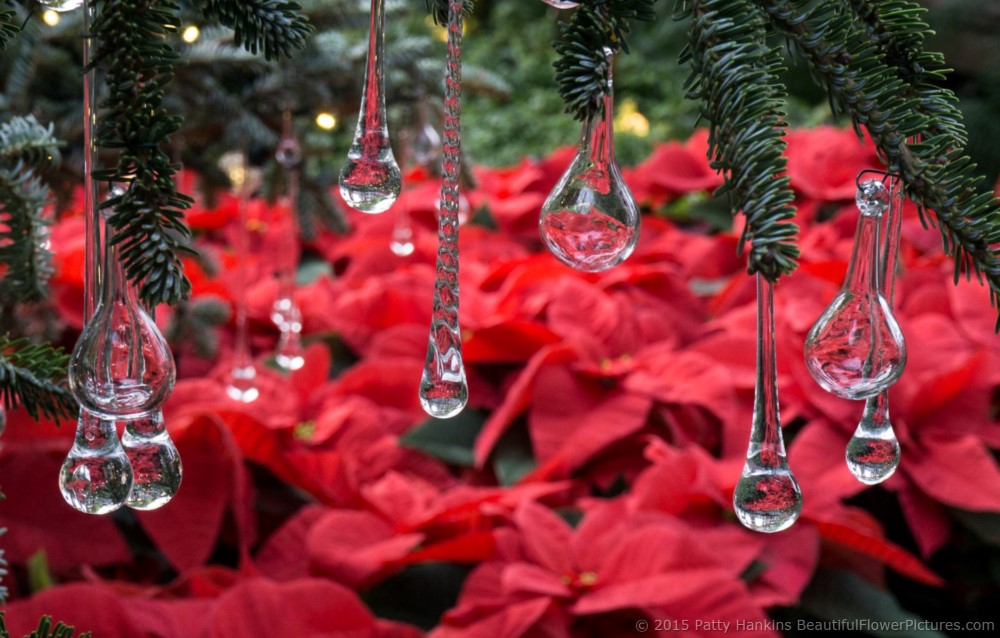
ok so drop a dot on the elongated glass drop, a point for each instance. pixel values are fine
(561, 4)
(401, 241)
(443, 389)
(243, 374)
(121, 364)
(590, 220)
(286, 313)
(873, 452)
(767, 496)
(424, 149)
(856, 349)
(96, 476)
(370, 180)
(61, 5)
(156, 464)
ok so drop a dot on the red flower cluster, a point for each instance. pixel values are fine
(589, 485)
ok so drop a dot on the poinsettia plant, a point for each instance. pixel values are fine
(588, 487)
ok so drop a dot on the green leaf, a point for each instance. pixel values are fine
(513, 456)
(419, 594)
(843, 596)
(985, 525)
(311, 270)
(450, 440)
(39, 576)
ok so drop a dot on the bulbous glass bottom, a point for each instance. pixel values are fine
(767, 500)
(156, 470)
(846, 378)
(401, 244)
(370, 185)
(590, 241)
(96, 481)
(242, 385)
(872, 459)
(444, 399)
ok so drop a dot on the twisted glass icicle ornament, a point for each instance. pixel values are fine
(286, 313)
(443, 388)
(767, 496)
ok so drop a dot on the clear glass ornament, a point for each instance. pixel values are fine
(286, 313)
(96, 476)
(370, 180)
(156, 464)
(856, 349)
(121, 364)
(243, 375)
(873, 452)
(401, 241)
(767, 496)
(561, 4)
(424, 147)
(590, 221)
(443, 388)
(61, 5)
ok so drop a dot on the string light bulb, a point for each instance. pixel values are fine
(326, 121)
(191, 34)
(50, 17)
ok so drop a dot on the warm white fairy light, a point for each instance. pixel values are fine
(191, 34)
(326, 121)
(50, 17)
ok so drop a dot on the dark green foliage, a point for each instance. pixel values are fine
(25, 146)
(912, 123)
(46, 630)
(8, 26)
(727, 42)
(581, 70)
(277, 28)
(131, 48)
(33, 376)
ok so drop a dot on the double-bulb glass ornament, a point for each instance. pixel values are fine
(590, 220)
(856, 349)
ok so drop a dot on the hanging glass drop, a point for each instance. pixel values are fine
(156, 464)
(443, 389)
(873, 452)
(856, 350)
(590, 221)
(286, 313)
(121, 364)
(243, 374)
(401, 241)
(370, 180)
(61, 5)
(424, 149)
(767, 496)
(96, 476)
(561, 4)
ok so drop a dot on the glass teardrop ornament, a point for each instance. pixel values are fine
(590, 220)
(401, 242)
(856, 349)
(425, 145)
(767, 496)
(443, 388)
(285, 312)
(561, 4)
(156, 464)
(370, 180)
(96, 476)
(873, 453)
(121, 364)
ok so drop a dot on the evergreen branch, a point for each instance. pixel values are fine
(33, 376)
(735, 74)
(275, 27)
(937, 174)
(8, 26)
(25, 145)
(46, 630)
(581, 68)
(132, 49)
(439, 9)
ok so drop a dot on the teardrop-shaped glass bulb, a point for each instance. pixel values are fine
(590, 220)
(370, 180)
(873, 452)
(561, 4)
(856, 349)
(156, 464)
(121, 364)
(443, 389)
(285, 312)
(61, 5)
(401, 241)
(286, 315)
(767, 496)
(96, 476)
